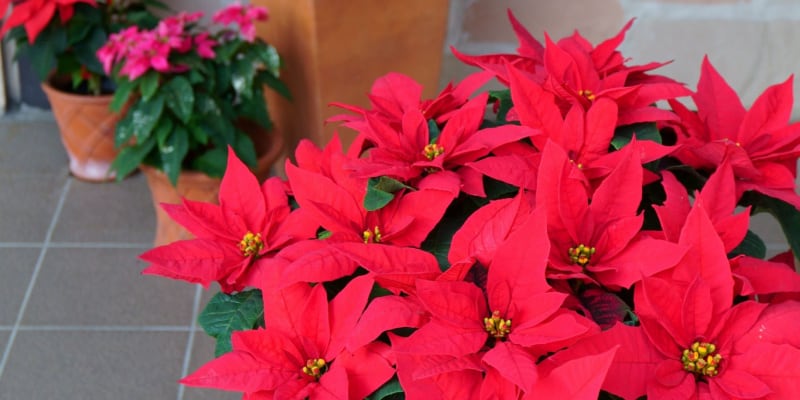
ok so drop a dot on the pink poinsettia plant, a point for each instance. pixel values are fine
(185, 89)
(559, 238)
(60, 37)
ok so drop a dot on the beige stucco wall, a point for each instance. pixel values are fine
(753, 43)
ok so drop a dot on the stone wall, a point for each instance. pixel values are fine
(751, 42)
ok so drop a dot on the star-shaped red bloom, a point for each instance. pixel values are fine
(693, 341)
(502, 327)
(34, 15)
(599, 240)
(408, 150)
(237, 242)
(384, 241)
(301, 351)
(576, 73)
(393, 94)
(761, 143)
(719, 198)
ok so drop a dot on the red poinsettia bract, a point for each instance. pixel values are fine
(301, 351)
(499, 328)
(237, 242)
(761, 143)
(693, 342)
(383, 241)
(34, 15)
(576, 73)
(718, 196)
(585, 133)
(413, 152)
(599, 240)
(393, 94)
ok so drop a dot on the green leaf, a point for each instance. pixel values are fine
(380, 191)
(173, 152)
(242, 77)
(163, 131)
(245, 150)
(270, 57)
(86, 49)
(124, 130)
(390, 388)
(212, 162)
(129, 158)
(752, 245)
(214, 119)
(46, 50)
(503, 97)
(179, 96)
(148, 85)
(439, 240)
(225, 51)
(606, 308)
(226, 313)
(275, 84)
(145, 116)
(157, 4)
(376, 199)
(433, 131)
(643, 131)
(255, 109)
(496, 189)
(122, 94)
(199, 133)
(788, 217)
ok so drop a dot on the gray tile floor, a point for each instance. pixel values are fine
(77, 319)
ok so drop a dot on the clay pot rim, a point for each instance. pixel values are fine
(86, 98)
(185, 174)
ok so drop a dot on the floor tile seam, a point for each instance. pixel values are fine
(69, 245)
(37, 268)
(99, 328)
(187, 356)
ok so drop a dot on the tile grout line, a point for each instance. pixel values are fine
(77, 245)
(187, 356)
(35, 274)
(99, 328)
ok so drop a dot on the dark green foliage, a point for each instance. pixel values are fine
(226, 313)
(195, 113)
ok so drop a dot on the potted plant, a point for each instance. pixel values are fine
(60, 38)
(192, 91)
(561, 238)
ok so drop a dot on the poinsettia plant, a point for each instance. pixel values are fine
(187, 87)
(560, 238)
(61, 37)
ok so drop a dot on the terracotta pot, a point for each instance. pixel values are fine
(333, 51)
(197, 186)
(87, 125)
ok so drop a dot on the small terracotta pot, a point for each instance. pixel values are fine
(197, 186)
(87, 125)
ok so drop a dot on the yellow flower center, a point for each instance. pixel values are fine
(587, 94)
(314, 368)
(251, 244)
(581, 255)
(432, 151)
(701, 359)
(497, 326)
(372, 236)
